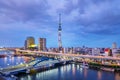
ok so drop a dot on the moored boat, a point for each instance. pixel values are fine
(84, 65)
(107, 69)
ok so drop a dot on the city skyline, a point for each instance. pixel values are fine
(91, 23)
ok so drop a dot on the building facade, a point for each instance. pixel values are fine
(29, 42)
(42, 44)
(114, 45)
(96, 51)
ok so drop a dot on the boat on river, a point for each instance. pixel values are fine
(107, 69)
(85, 65)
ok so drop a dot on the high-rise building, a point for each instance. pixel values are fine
(116, 52)
(29, 42)
(59, 35)
(25, 44)
(114, 45)
(42, 44)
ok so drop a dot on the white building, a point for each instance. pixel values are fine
(116, 52)
(114, 45)
(95, 51)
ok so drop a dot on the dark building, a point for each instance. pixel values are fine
(42, 44)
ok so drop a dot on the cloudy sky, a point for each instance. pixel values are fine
(93, 23)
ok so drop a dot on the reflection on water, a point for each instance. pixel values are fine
(71, 72)
(117, 76)
(73, 69)
(10, 61)
(66, 72)
(99, 75)
(6, 52)
(85, 73)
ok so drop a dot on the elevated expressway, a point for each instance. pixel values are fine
(65, 55)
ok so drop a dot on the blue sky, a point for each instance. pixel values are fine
(93, 23)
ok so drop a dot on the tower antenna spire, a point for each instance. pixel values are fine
(59, 18)
(60, 22)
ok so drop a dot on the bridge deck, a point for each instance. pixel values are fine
(26, 66)
(69, 55)
(17, 67)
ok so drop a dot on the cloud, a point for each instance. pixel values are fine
(97, 17)
(23, 10)
(80, 18)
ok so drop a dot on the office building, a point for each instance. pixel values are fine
(116, 52)
(29, 43)
(42, 44)
(25, 44)
(114, 45)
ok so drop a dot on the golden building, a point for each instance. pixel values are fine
(29, 42)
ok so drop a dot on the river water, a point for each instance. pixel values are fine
(71, 72)
(66, 72)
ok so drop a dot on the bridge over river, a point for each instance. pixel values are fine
(34, 64)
